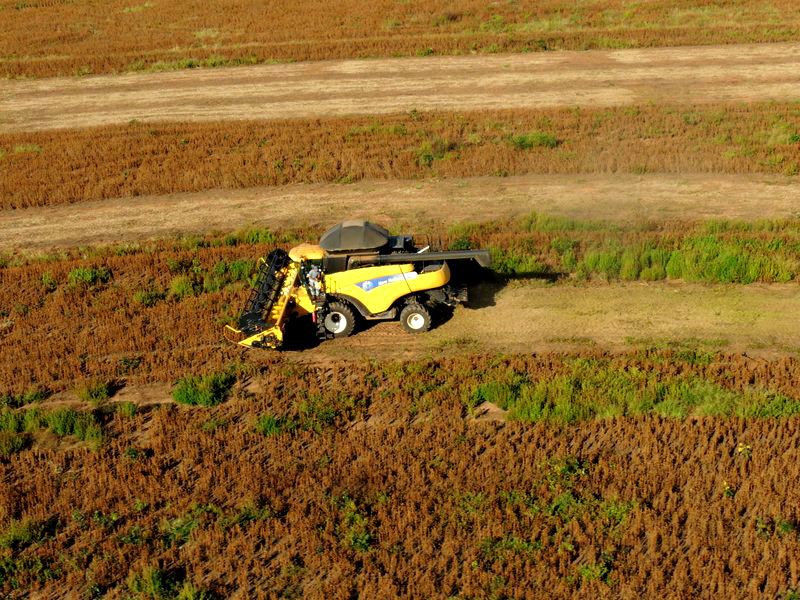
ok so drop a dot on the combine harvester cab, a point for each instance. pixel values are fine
(357, 270)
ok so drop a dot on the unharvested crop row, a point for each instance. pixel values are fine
(198, 499)
(714, 251)
(85, 318)
(46, 168)
(540, 236)
(45, 39)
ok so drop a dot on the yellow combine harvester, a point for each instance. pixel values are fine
(357, 269)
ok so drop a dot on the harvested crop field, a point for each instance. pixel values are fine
(745, 73)
(722, 284)
(614, 198)
(617, 198)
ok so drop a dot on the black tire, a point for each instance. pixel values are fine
(415, 318)
(340, 321)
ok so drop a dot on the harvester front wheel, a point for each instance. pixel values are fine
(415, 318)
(339, 320)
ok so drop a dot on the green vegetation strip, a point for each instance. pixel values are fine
(590, 389)
(579, 389)
(713, 251)
(571, 390)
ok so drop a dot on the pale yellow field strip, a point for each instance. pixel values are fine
(537, 317)
(380, 86)
(408, 204)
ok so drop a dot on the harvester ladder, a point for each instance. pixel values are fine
(320, 312)
(265, 292)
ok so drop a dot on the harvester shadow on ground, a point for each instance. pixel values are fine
(484, 285)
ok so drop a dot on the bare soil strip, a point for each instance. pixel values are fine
(409, 204)
(620, 198)
(536, 317)
(380, 86)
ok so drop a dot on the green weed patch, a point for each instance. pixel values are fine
(205, 390)
(62, 422)
(590, 389)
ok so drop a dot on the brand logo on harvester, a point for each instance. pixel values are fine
(371, 284)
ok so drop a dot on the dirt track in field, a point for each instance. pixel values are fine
(379, 86)
(537, 317)
(407, 204)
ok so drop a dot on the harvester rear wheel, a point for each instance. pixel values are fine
(339, 319)
(415, 318)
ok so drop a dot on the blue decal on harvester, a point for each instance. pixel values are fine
(371, 284)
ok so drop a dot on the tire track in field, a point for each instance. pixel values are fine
(380, 86)
(537, 317)
(406, 204)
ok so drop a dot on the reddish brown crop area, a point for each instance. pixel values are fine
(46, 168)
(378, 478)
(434, 508)
(44, 38)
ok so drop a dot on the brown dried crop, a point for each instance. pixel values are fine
(644, 507)
(40, 39)
(46, 168)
